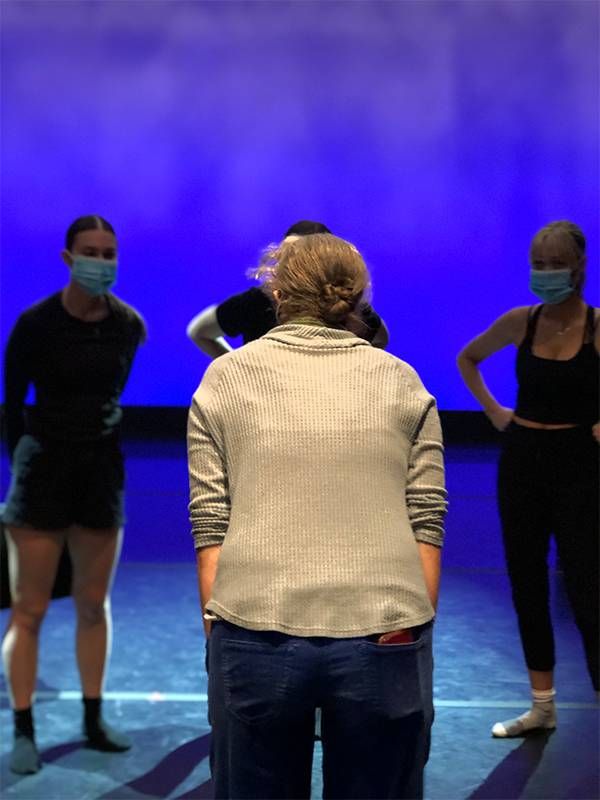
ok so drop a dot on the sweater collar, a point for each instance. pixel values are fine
(314, 336)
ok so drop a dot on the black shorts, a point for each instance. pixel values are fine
(58, 484)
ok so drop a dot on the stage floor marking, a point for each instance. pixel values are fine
(198, 697)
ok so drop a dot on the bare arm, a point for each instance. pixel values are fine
(507, 329)
(207, 560)
(431, 561)
(205, 332)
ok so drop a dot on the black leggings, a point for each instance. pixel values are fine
(549, 483)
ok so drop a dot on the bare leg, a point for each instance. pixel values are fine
(94, 554)
(33, 558)
(541, 681)
(33, 561)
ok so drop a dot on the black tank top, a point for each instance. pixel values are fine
(559, 392)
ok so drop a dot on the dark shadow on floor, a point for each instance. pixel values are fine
(202, 792)
(52, 754)
(170, 771)
(587, 787)
(508, 780)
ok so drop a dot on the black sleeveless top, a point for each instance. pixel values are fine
(559, 392)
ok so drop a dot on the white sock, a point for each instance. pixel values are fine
(541, 715)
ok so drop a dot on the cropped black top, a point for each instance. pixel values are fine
(553, 391)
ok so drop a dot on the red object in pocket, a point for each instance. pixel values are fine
(404, 636)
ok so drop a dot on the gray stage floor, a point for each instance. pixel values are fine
(156, 688)
(157, 691)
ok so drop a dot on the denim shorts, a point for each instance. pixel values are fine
(56, 484)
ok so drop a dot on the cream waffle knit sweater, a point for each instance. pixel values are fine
(315, 460)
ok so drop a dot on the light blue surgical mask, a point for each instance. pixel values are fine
(95, 275)
(551, 286)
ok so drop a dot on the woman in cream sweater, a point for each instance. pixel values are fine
(317, 504)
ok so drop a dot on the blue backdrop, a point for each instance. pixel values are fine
(437, 136)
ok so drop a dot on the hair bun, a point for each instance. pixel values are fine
(337, 302)
(316, 275)
(334, 293)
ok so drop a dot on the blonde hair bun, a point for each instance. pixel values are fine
(318, 275)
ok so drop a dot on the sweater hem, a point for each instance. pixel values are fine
(314, 630)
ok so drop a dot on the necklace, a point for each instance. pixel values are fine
(562, 327)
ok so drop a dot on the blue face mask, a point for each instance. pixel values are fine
(551, 286)
(95, 275)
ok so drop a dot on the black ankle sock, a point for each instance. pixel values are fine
(23, 720)
(100, 735)
(92, 707)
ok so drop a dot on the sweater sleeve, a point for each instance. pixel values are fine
(210, 504)
(17, 377)
(425, 486)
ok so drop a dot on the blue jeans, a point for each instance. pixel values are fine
(377, 711)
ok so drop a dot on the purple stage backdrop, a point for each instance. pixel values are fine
(437, 136)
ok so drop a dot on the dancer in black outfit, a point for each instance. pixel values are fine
(548, 480)
(76, 347)
(251, 314)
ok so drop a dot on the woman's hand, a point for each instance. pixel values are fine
(596, 432)
(500, 417)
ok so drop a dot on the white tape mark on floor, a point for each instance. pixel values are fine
(192, 697)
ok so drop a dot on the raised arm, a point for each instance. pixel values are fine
(204, 330)
(508, 329)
